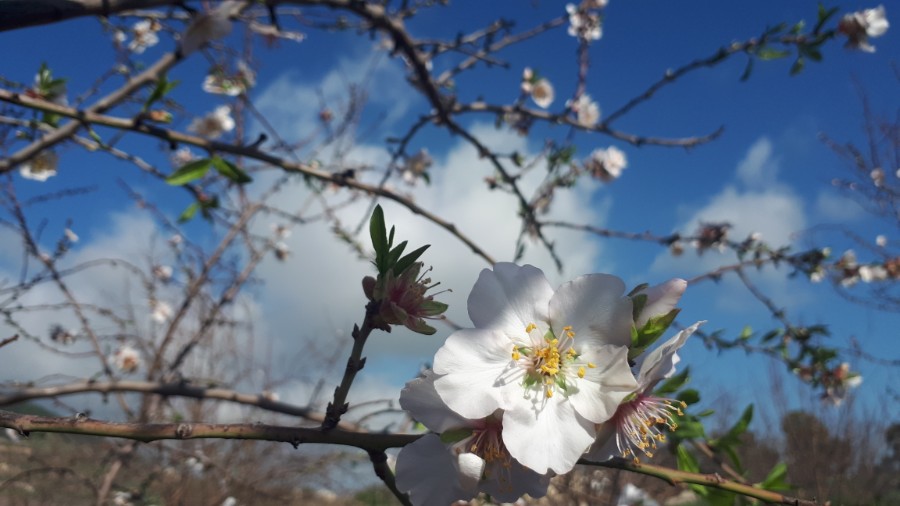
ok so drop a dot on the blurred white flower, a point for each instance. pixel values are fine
(182, 156)
(584, 24)
(12, 435)
(219, 83)
(587, 112)
(194, 465)
(417, 166)
(881, 241)
(606, 164)
(281, 231)
(633, 496)
(877, 176)
(143, 35)
(229, 501)
(870, 273)
(160, 311)
(214, 124)
(859, 26)
(162, 272)
(121, 498)
(127, 359)
(282, 251)
(209, 26)
(70, 236)
(542, 93)
(41, 167)
(175, 240)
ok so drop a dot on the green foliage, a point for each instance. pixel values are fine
(388, 256)
(189, 172)
(162, 88)
(643, 338)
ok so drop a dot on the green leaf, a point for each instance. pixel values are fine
(409, 259)
(394, 255)
(188, 214)
(686, 461)
(689, 396)
(798, 65)
(378, 233)
(208, 205)
(768, 53)
(776, 479)
(746, 333)
(189, 172)
(674, 383)
(162, 88)
(230, 170)
(637, 305)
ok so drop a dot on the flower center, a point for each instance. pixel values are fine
(550, 360)
(639, 424)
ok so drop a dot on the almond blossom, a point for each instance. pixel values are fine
(41, 167)
(587, 112)
(144, 35)
(555, 362)
(859, 26)
(461, 458)
(209, 26)
(127, 359)
(584, 24)
(214, 124)
(637, 424)
(606, 164)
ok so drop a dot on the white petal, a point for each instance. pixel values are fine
(660, 363)
(604, 447)
(470, 468)
(427, 470)
(604, 387)
(551, 438)
(475, 367)
(661, 299)
(509, 297)
(421, 401)
(595, 308)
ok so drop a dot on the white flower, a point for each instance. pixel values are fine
(583, 24)
(41, 167)
(881, 241)
(229, 501)
(183, 156)
(162, 272)
(587, 112)
(839, 384)
(463, 457)
(606, 164)
(144, 35)
(555, 362)
(870, 273)
(877, 176)
(859, 26)
(660, 300)
(127, 359)
(175, 240)
(12, 435)
(214, 124)
(817, 275)
(70, 236)
(209, 26)
(282, 251)
(417, 166)
(542, 93)
(194, 465)
(160, 311)
(218, 83)
(637, 423)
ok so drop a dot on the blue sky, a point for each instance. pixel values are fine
(771, 126)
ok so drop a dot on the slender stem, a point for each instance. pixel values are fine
(338, 406)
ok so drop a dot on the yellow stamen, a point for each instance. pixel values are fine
(530, 327)
(581, 372)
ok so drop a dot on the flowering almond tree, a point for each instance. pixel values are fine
(263, 225)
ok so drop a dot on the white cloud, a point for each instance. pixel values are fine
(835, 207)
(759, 167)
(756, 202)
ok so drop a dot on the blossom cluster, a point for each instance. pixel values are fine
(546, 377)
